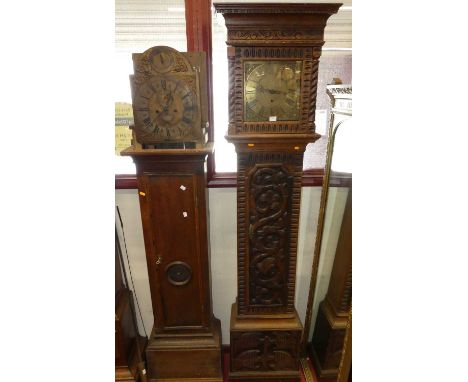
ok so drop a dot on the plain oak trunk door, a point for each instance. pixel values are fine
(177, 247)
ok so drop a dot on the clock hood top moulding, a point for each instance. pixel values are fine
(294, 24)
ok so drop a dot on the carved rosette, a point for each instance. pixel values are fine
(269, 189)
(264, 351)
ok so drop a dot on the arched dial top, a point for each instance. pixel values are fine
(272, 90)
(166, 96)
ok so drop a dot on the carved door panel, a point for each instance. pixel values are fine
(270, 197)
(174, 220)
(269, 213)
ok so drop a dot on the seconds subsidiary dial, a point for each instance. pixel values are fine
(166, 108)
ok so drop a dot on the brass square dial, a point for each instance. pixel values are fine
(272, 90)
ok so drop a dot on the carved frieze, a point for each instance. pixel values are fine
(264, 36)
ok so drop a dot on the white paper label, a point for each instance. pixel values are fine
(272, 118)
(321, 121)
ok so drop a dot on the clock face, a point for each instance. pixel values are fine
(166, 108)
(272, 90)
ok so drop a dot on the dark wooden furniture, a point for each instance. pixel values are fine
(185, 342)
(333, 314)
(126, 337)
(273, 56)
(333, 249)
(169, 95)
(345, 370)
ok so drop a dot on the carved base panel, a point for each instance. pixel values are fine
(327, 342)
(264, 349)
(185, 358)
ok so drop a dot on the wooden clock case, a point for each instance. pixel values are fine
(333, 314)
(334, 311)
(185, 343)
(265, 328)
(129, 345)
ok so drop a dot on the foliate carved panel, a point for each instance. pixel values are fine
(269, 205)
(269, 187)
(265, 351)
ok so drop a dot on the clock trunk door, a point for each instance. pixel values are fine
(177, 270)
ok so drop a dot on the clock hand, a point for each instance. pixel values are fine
(261, 89)
(169, 99)
(173, 92)
(272, 91)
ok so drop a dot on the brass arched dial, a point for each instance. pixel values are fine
(272, 90)
(166, 108)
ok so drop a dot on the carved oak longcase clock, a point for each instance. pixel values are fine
(273, 56)
(170, 151)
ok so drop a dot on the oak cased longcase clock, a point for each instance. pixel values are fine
(273, 56)
(170, 151)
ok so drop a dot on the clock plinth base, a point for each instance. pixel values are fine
(129, 373)
(265, 349)
(185, 357)
(266, 377)
(127, 343)
(327, 343)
